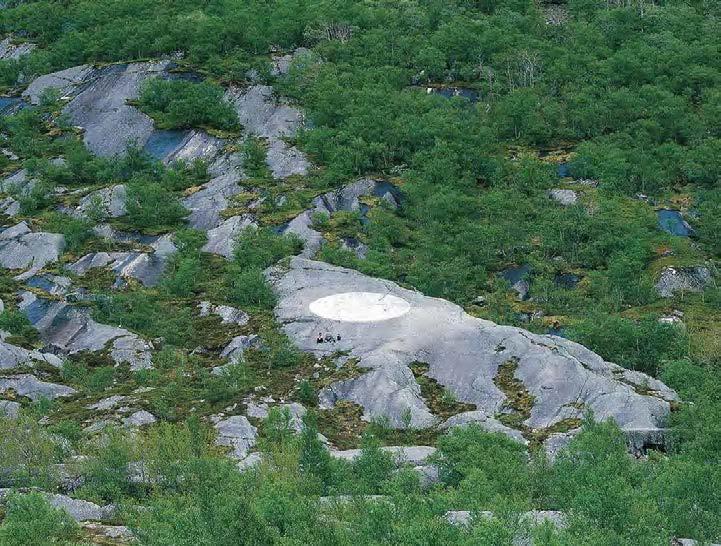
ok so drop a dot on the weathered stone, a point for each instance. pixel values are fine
(238, 345)
(197, 145)
(675, 280)
(463, 354)
(107, 403)
(282, 63)
(487, 423)
(563, 197)
(72, 330)
(81, 510)
(265, 116)
(132, 350)
(9, 409)
(20, 248)
(33, 388)
(221, 240)
(206, 204)
(347, 199)
(557, 442)
(101, 108)
(10, 51)
(228, 314)
(107, 202)
(118, 534)
(238, 434)
(139, 419)
(414, 455)
(12, 356)
(66, 82)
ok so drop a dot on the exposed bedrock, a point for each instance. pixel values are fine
(562, 379)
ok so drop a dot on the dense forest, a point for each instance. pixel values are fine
(556, 167)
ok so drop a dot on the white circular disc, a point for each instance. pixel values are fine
(360, 307)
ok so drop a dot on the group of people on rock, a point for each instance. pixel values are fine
(328, 338)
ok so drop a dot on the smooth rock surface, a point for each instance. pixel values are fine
(33, 388)
(108, 202)
(463, 353)
(66, 82)
(12, 356)
(20, 248)
(489, 424)
(238, 434)
(221, 239)
(563, 197)
(9, 409)
(101, 108)
(12, 52)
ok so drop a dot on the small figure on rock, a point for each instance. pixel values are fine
(329, 338)
(338, 337)
(319, 339)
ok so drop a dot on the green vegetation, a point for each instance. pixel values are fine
(625, 93)
(179, 104)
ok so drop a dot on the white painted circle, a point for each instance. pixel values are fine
(360, 307)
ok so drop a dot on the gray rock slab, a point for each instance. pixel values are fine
(82, 510)
(415, 455)
(10, 51)
(221, 239)
(675, 280)
(206, 204)
(30, 386)
(262, 114)
(463, 354)
(9, 409)
(238, 434)
(285, 160)
(108, 202)
(12, 356)
(66, 82)
(71, 330)
(21, 248)
(563, 197)
(197, 145)
(101, 108)
(108, 403)
(487, 423)
(227, 314)
(139, 419)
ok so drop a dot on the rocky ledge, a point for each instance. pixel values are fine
(539, 382)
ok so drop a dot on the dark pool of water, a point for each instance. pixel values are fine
(515, 274)
(9, 104)
(563, 170)
(559, 331)
(162, 143)
(566, 280)
(671, 221)
(449, 92)
(41, 282)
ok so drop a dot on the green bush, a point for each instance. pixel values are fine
(176, 104)
(152, 207)
(31, 521)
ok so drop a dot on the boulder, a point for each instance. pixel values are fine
(675, 280)
(107, 403)
(20, 248)
(9, 409)
(228, 314)
(206, 204)
(563, 197)
(464, 354)
(238, 434)
(108, 202)
(235, 349)
(487, 423)
(139, 419)
(33, 388)
(197, 145)
(221, 239)
(281, 63)
(132, 350)
(10, 51)
(12, 356)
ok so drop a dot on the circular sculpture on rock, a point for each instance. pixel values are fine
(360, 307)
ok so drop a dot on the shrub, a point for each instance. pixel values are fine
(178, 104)
(31, 521)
